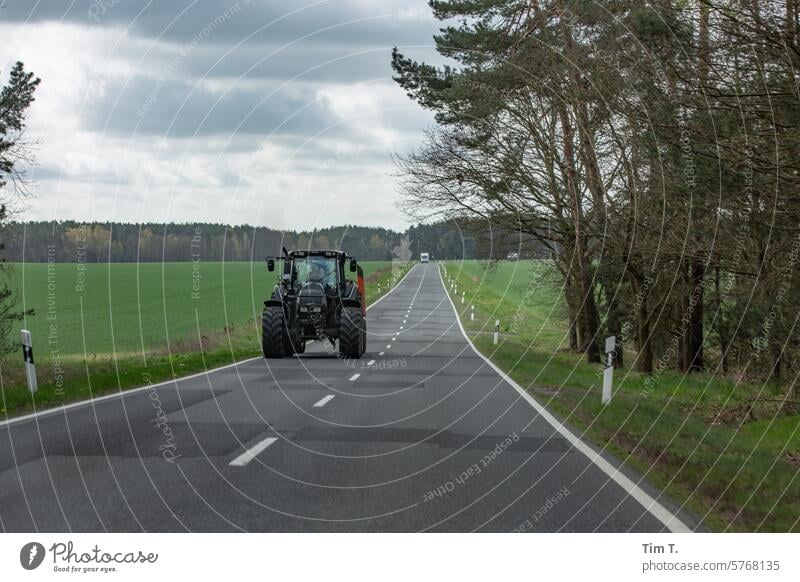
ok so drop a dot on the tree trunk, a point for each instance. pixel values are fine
(591, 319)
(644, 349)
(695, 333)
(614, 324)
(722, 331)
(574, 315)
(582, 259)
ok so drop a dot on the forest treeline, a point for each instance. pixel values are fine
(70, 241)
(653, 148)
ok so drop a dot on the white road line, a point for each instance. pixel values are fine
(251, 453)
(664, 515)
(381, 353)
(394, 339)
(354, 377)
(324, 401)
(401, 327)
(371, 362)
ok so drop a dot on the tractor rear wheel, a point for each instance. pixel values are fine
(272, 332)
(350, 333)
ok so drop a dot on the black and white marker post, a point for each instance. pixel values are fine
(496, 331)
(608, 373)
(27, 354)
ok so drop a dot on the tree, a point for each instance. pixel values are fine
(653, 147)
(15, 152)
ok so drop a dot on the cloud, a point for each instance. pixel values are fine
(234, 111)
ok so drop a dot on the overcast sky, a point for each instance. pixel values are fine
(267, 112)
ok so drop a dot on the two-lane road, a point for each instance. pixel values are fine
(420, 434)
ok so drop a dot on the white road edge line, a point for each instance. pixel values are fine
(665, 516)
(126, 392)
(251, 453)
(324, 401)
(121, 393)
(354, 377)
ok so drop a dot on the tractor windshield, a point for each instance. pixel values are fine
(316, 270)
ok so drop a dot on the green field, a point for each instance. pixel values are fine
(129, 308)
(729, 452)
(98, 327)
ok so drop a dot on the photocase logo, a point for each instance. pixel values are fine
(31, 555)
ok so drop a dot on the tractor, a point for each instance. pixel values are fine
(314, 301)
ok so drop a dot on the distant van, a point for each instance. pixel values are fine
(423, 258)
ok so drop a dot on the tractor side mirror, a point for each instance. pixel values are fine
(270, 264)
(353, 265)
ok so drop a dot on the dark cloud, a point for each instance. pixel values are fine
(174, 108)
(303, 62)
(335, 21)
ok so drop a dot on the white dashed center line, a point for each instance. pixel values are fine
(371, 362)
(354, 377)
(388, 346)
(381, 353)
(251, 453)
(324, 401)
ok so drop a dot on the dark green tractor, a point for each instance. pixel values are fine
(313, 300)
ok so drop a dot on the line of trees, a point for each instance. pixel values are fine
(653, 148)
(71, 241)
(472, 239)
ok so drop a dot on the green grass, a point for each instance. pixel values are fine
(104, 328)
(729, 452)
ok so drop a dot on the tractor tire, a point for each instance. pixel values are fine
(350, 333)
(272, 332)
(364, 336)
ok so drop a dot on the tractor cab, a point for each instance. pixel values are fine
(323, 269)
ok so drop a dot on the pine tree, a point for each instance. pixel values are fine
(15, 98)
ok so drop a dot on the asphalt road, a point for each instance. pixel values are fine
(420, 434)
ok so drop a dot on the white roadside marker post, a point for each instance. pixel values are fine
(496, 331)
(608, 373)
(463, 295)
(27, 355)
(472, 313)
